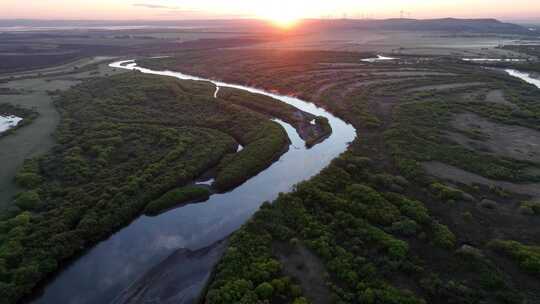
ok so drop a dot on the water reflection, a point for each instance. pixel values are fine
(378, 58)
(524, 76)
(8, 122)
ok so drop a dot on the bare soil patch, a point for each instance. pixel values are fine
(446, 86)
(505, 140)
(497, 96)
(307, 268)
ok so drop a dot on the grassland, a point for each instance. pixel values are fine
(380, 227)
(34, 91)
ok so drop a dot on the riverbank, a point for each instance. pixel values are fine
(382, 227)
(151, 239)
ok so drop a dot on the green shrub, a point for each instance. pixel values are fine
(442, 236)
(530, 208)
(264, 291)
(267, 143)
(376, 208)
(405, 227)
(231, 292)
(28, 200)
(528, 257)
(446, 193)
(175, 197)
(300, 301)
(28, 180)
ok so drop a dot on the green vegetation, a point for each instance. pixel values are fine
(124, 143)
(530, 208)
(528, 257)
(29, 175)
(273, 108)
(356, 230)
(322, 131)
(445, 192)
(176, 197)
(27, 200)
(417, 136)
(265, 146)
(374, 217)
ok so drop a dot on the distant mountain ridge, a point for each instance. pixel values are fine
(443, 24)
(453, 24)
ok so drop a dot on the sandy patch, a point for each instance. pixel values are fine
(497, 96)
(505, 140)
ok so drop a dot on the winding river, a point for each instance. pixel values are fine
(527, 77)
(184, 239)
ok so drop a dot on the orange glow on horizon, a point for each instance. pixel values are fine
(282, 16)
(282, 13)
(284, 23)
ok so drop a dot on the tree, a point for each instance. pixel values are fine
(264, 291)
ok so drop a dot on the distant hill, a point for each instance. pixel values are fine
(445, 24)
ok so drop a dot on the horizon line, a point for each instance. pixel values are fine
(256, 19)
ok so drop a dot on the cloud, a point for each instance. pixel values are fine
(179, 12)
(154, 6)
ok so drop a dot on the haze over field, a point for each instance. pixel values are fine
(274, 10)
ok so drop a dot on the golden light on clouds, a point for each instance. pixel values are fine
(283, 12)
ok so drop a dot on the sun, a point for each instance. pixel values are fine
(281, 16)
(284, 21)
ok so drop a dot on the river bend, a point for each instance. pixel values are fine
(105, 272)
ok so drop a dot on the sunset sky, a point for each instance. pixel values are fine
(284, 9)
